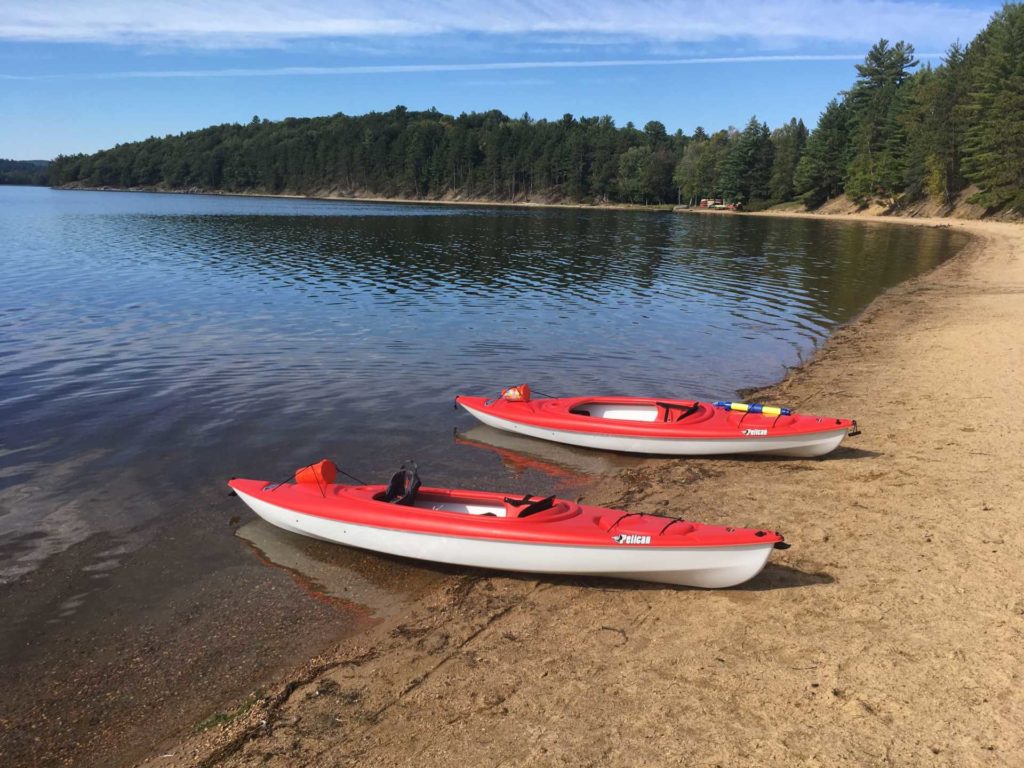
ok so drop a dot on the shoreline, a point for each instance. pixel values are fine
(878, 637)
(784, 210)
(470, 203)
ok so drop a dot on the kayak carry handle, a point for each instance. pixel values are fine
(767, 410)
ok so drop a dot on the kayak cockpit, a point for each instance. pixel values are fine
(449, 504)
(618, 411)
(465, 508)
(405, 491)
(527, 507)
(649, 412)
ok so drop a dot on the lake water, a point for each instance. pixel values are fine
(152, 346)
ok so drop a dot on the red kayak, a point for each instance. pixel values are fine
(491, 530)
(661, 426)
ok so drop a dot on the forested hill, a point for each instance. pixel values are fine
(24, 172)
(900, 134)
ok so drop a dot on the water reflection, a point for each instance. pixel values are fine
(335, 574)
(570, 468)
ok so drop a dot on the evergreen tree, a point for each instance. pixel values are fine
(820, 172)
(789, 142)
(875, 167)
(994, 144)
(747, 167)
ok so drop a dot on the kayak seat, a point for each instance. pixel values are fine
(404, 485)
(527, 505)
(672, 412)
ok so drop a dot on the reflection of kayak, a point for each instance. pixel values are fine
(565, 463)
(518, 462)
(671, 427)
(489, 530)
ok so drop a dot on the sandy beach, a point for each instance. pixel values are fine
(889, 634)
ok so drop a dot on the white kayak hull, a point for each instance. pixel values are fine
(707, 567)
(802, 446)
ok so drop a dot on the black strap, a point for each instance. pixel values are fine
(690, 411)
(625, 515)
(518, 502)
(670, 523)
(538, 506)
(672, 406)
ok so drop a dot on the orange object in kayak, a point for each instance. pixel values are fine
(668, 427)
(520, 394)
(324, 472)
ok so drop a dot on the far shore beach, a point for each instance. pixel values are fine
(356, 198)
(889, 634)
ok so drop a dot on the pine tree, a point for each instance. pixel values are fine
(789, 142)
(820, 172)
(994, 145)
(747, 167)
(875, 168)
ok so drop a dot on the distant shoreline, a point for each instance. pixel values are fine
(839, 209)
(466, 203)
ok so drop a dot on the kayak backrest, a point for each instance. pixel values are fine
(672, 412)
(404, 485)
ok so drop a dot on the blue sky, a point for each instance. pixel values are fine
(77, 76)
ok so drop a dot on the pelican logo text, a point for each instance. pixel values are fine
(755, 432)
(631, 538)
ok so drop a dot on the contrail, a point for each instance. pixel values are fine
(385, 69)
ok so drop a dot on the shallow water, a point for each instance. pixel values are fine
(153, 345)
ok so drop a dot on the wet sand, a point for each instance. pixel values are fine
(889, 634)
(121, 643)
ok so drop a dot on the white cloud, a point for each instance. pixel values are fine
(254, 23)
(374, 69)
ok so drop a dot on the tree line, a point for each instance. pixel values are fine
(901, 133)
(25, 172)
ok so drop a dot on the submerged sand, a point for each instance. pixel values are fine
(891, 633)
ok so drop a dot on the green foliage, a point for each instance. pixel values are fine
(820, 172)
(696, 175)
(24, 172)
(993, 152)
(877, 103)
(632, 170)
(399, 153)
(788, 144)
(747, 168)
(938, 129)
